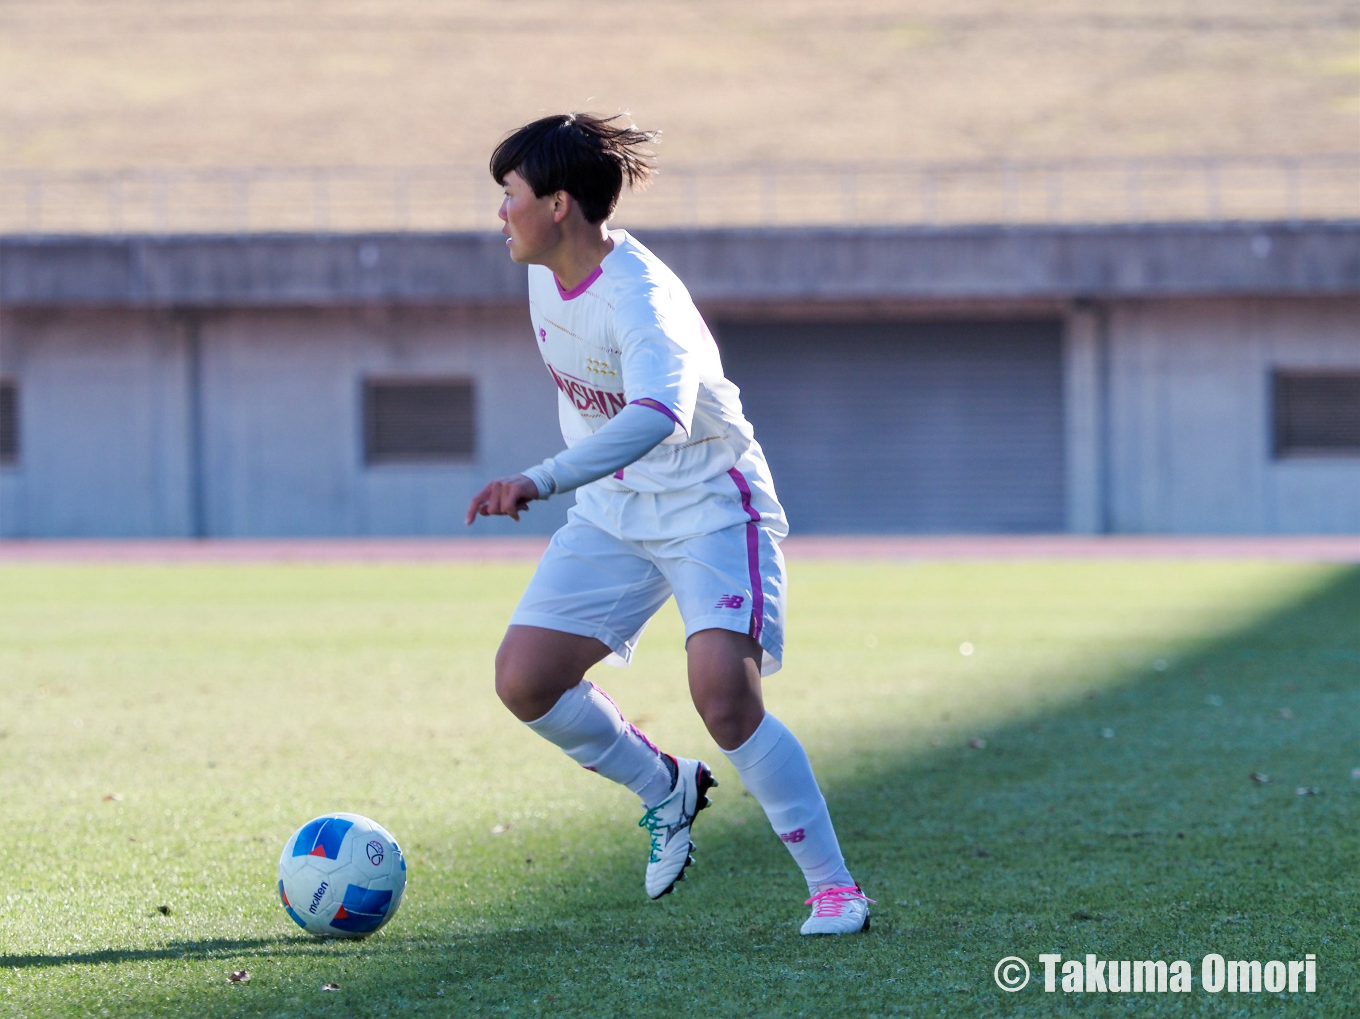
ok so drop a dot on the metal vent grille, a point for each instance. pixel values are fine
(9, 422)
(1317, 413)
(424, 421)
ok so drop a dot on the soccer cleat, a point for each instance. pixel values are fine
(669, 822)
(838, 911)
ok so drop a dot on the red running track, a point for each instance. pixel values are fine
(1299, 548)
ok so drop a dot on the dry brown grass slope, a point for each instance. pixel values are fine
(103, 84)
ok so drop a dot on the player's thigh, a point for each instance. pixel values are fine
(592, 584)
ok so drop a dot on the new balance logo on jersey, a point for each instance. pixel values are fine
(731, 601)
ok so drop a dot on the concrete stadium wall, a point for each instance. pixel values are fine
(1168, 417)
(283, 430)
(248, 422)
(103, 422)
(985, 263)
(143, 423)
(210, 386)
(1190, 417)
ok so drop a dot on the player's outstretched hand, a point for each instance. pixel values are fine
(506, 497)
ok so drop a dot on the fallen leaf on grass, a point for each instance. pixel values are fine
(238, 976)
(1259, 778)
(164, 910)
(1307, 790)
(1081, 914)
(981, 852)
(330, 987)
(977, 743)
(113, 797)
(499, 829)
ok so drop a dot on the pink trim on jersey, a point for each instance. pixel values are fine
(647, 401)
(580, 288)
(752, 553)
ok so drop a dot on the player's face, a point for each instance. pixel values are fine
(531, 228)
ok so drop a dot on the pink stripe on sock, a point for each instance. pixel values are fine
(752, 554)
(631, 727)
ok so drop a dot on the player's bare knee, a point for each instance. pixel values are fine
(516, 684)
(719, 718)
(729, 718)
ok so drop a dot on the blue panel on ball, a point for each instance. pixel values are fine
(296, 919)
(322, 837)
(362, 911)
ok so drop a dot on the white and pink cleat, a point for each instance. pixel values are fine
(838, 911)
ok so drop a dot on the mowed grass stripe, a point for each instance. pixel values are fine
(226, 705)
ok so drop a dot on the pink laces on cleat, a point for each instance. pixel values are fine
(833, 900)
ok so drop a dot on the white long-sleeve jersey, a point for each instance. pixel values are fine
(630, 333)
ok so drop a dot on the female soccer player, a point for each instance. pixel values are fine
(673, 496)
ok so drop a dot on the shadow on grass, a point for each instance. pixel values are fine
(1207, 808)
(218, 947)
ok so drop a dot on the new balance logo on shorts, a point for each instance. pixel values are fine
(731, 601)
(797, 835)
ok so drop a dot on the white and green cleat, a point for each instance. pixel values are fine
(669, 823)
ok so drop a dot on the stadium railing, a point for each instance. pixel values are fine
(433, 198)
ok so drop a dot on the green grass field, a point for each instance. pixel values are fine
(1123, 707)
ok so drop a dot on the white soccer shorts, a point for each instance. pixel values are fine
(594, 584)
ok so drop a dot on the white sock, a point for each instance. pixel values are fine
(774, 766)
(591, 730)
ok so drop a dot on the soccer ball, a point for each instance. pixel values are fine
(341, 876)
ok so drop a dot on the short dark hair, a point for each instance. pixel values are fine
(586, 156)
